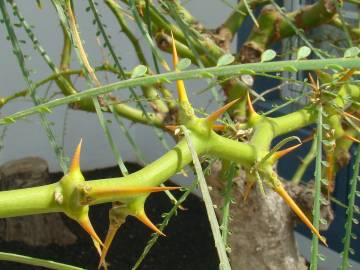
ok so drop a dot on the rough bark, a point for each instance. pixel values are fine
(274, 27)
(37, 230)
(262, 228)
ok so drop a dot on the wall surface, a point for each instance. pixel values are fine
(27, 137)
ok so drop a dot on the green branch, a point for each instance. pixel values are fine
(335, 63)
(4, 256)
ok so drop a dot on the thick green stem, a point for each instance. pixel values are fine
(293, 121)
(228, 149)
(45, 199)
(28, 201)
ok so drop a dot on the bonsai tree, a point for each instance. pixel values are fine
(231, 148)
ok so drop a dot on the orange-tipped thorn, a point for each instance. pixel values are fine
(290, 202)
(175, 57)
(86, 225)
(250, 105)
(171, 127)
(347, 75)
(108, 240)
(144, 219)
(351, 116)
(314, 85)
(112, 191)
(75, 162)
(215, 115)
(180, 83)
(248, 187)
(219, 127)
(307, 138)
(351, 138)
(281, 153)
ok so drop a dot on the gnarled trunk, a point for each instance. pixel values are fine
(262, 227)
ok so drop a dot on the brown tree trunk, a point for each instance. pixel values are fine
(262, 228)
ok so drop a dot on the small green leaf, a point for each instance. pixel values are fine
(325, 163)
(225, 60)
(323, 221)
(303, 52)
(183, 64)
(165, 80)
(247, 71)
(328, 143)
(335, 67)
(268, 55)
(326, 126)
(290, 69)
(352, 52)
(324, 181)
(208, 75)
(44, 109)
(321, 257)
(138, 71)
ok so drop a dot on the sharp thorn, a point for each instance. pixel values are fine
(86, 225)
(351, 138)
(171, 127)
(165, 65)
(75, 162)
(175, 57)
(144, 219)
(307, 138)
(281, 153)
(347, 75)
(219, 127)
(179, 83)
(108, 240)
(351, 116)
(215, 115)
(250, 105)
(248, 188)
(291, 203)
(314, 85)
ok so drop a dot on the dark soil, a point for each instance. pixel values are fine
(188, 245)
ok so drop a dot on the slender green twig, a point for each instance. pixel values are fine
(219, 244)
(4, 256)
(188, 74)
(317, 192)
(227, 202)
(26, 75)
(350, 211)
(305, 162)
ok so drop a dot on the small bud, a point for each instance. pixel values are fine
(59, 197)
